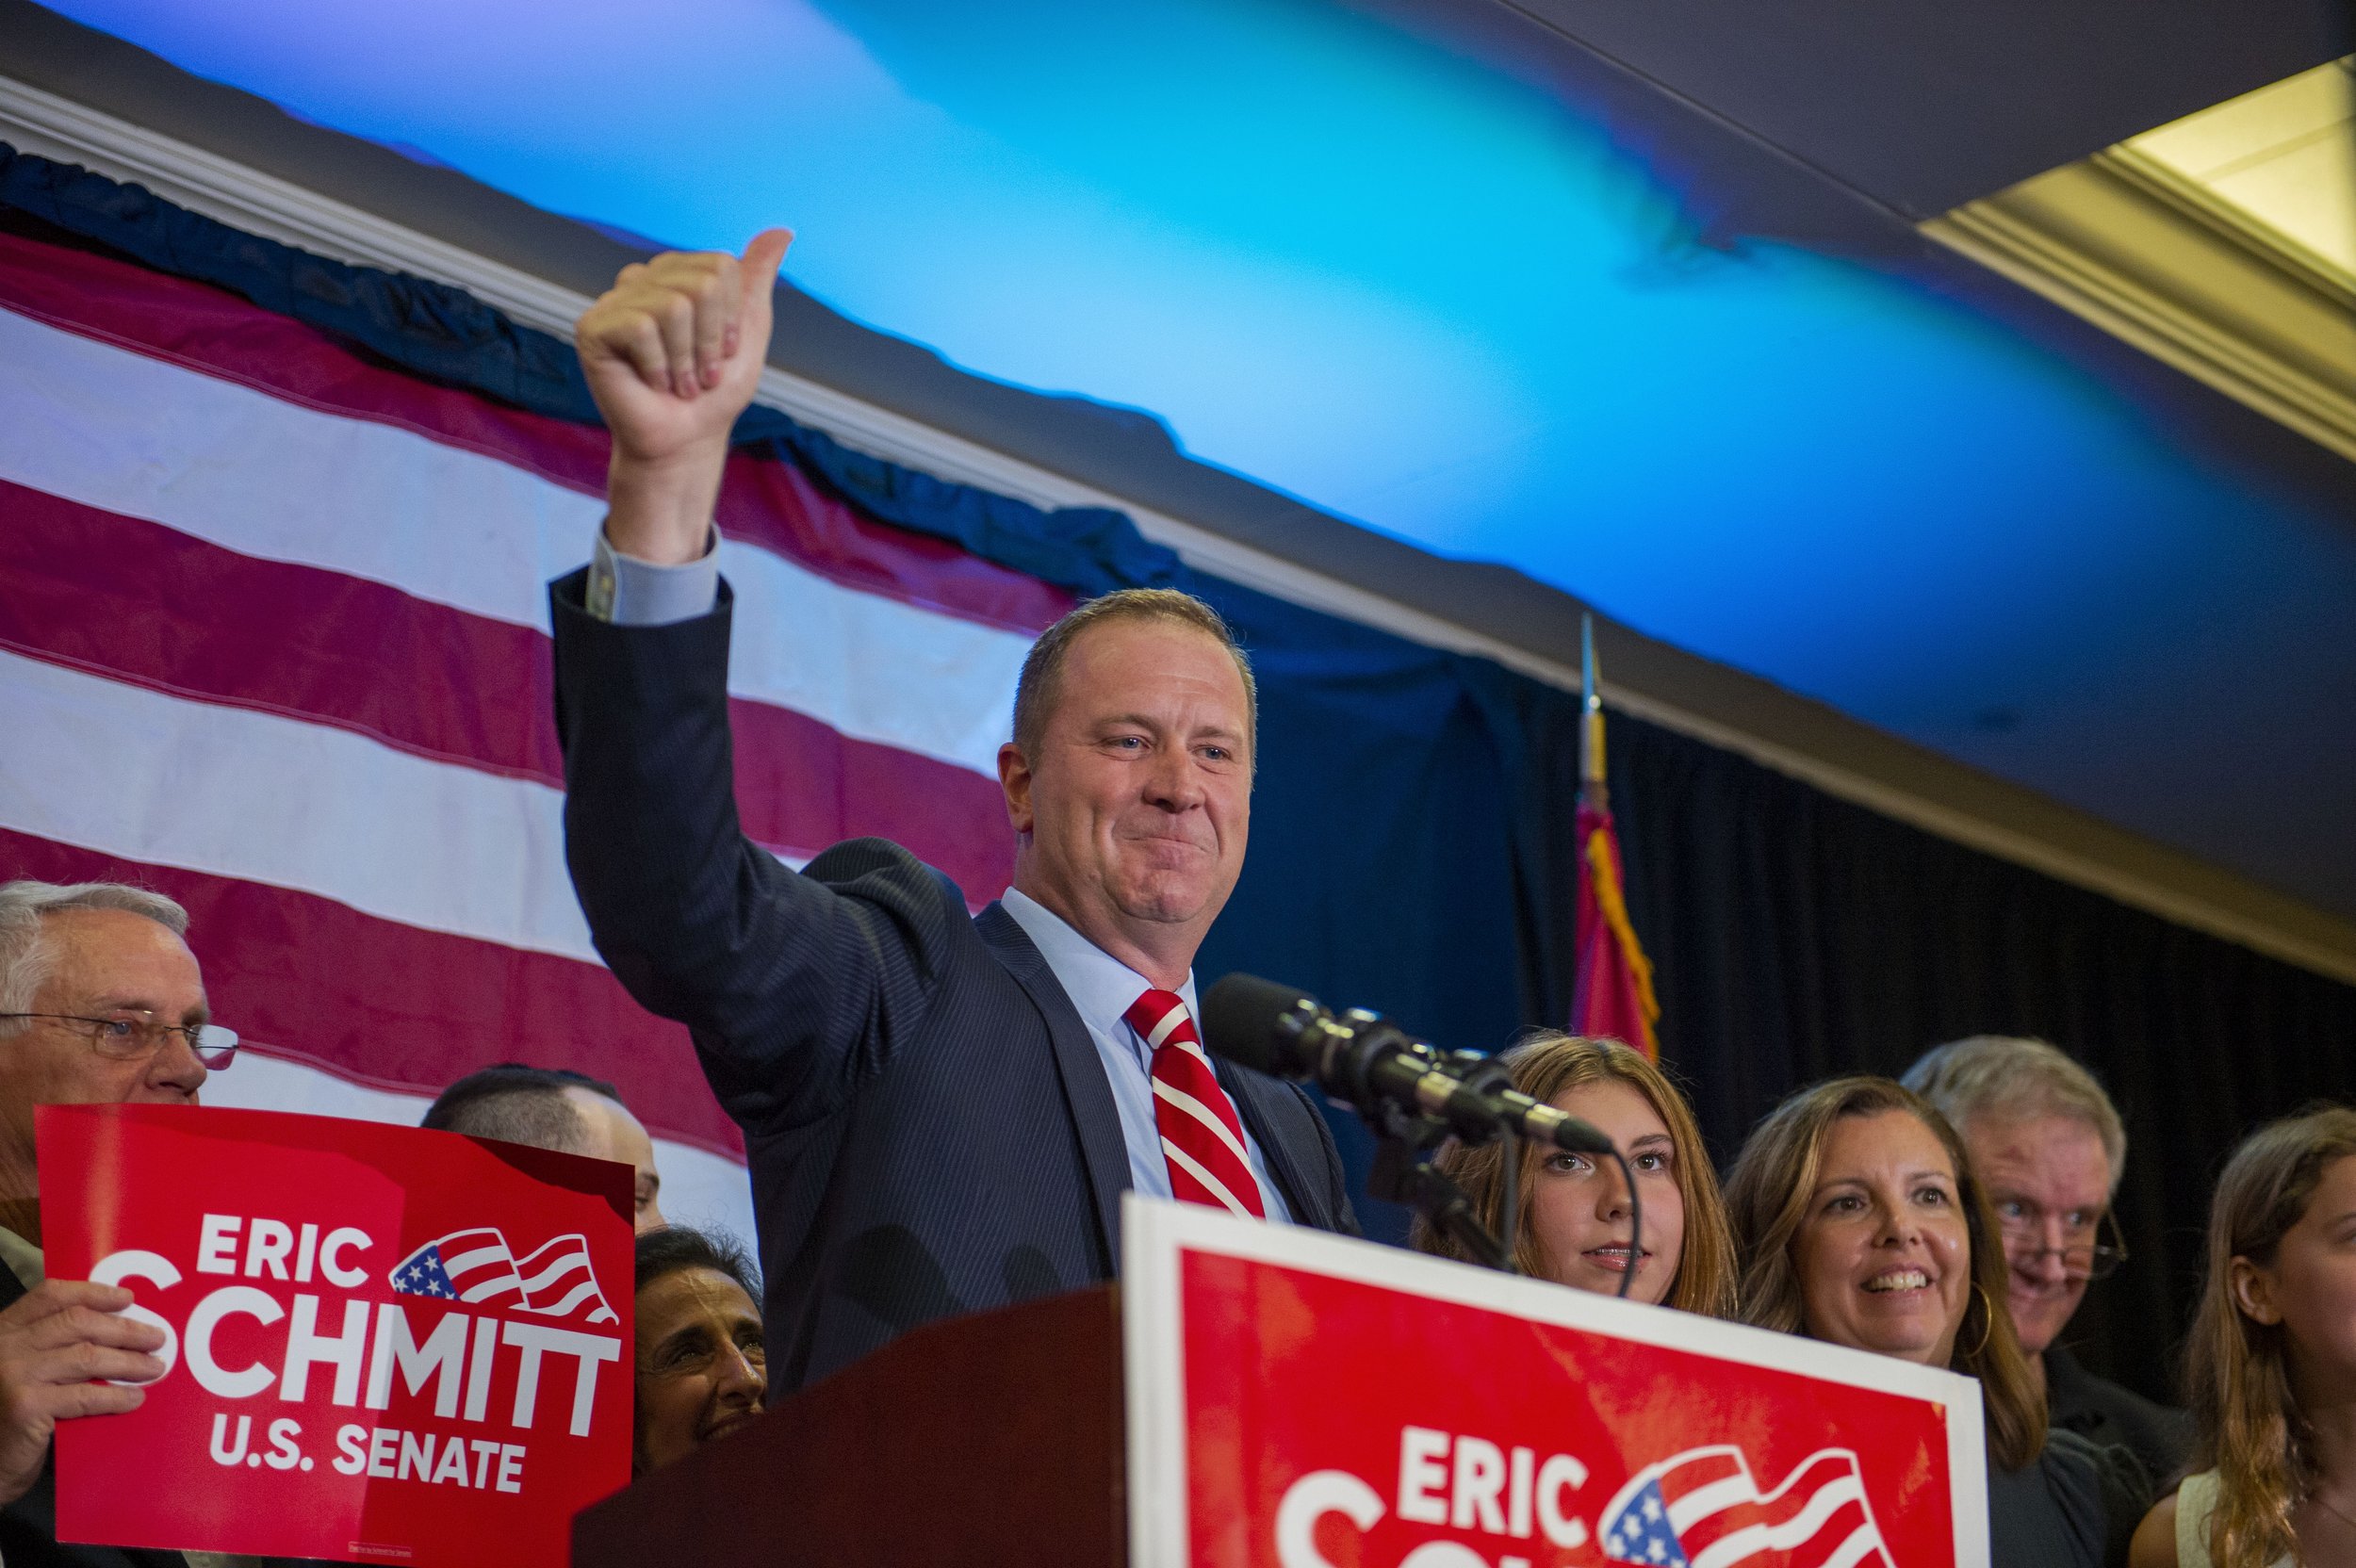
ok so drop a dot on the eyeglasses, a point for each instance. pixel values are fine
(2083, 1257)
(134, 1039)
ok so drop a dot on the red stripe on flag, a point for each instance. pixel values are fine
(395, 1007)
(769, 504)
(142, 602)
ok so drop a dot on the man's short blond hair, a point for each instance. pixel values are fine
(2007, 1078)
(1041, 681)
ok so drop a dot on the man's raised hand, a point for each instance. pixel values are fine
(57, 1343)
(673, 353)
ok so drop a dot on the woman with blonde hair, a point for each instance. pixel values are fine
(1575, 1207)
(1859, 1222)
(2270, 1372)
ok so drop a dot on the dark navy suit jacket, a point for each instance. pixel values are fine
(927, 1122)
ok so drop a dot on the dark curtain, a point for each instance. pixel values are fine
(1411, 844)
(1377, 876)
(1798, 936)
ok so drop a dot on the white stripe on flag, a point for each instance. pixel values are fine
(1203, 1114)
(577, 1262)
(1703, 1501)
(580, 1293)
(1863, 1542)
(453, 1266)
(263, 798)
(114, 429)
(1753, 1538)
(698, 1187)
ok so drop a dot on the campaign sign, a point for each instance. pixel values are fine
(384, 1344)
(1300, 1400)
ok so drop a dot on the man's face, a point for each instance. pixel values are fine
(110, 964)
(1135, 810)
(2050, 1182)
(611, 1132)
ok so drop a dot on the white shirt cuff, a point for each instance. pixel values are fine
(629, 592)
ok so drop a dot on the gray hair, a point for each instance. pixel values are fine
(2004, 1078)
(26, 959)
(538, 1118)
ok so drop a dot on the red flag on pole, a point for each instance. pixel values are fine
(1612, 994)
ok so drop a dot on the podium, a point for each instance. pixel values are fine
(1260, 1397)
(993, 1438)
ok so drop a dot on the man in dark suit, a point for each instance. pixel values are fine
(941, 1110)
(101, 1002)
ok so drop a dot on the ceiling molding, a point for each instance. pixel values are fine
(1837, 755)
(2132, 245)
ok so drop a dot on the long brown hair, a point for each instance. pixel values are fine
(1767, 1200)
(2249, 1427)
(1545, 1066)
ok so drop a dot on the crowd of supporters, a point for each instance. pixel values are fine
(1954, 1219)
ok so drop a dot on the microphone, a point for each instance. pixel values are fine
(1367, 1061)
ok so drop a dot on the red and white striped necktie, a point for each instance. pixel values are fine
(1202, 1138)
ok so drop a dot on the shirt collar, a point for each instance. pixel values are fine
(1101, 987)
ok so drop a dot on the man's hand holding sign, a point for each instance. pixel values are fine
(66, 1351)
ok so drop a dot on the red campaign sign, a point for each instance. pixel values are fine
(386, 1345)
(1306, 1402)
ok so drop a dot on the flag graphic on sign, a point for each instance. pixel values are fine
(1701, 1508)
(478, 1268)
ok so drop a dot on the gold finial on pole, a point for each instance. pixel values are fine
(1591, 772)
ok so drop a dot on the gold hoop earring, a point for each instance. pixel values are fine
(1987, 1321)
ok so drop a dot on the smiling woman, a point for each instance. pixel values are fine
(702, 1363)
(1859, 1221)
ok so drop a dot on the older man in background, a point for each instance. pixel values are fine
(2049, 1146)
(554, 1107)
(101, 1003)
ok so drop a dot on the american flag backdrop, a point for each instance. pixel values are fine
(273, 641)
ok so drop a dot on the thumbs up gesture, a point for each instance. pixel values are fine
(673, 353)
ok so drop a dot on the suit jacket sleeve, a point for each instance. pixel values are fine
(796, 987)
(1336, 1175)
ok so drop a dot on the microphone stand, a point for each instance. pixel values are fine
(1403, 1173)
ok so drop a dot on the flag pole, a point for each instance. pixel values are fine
(1612, 994)
(1592, 790)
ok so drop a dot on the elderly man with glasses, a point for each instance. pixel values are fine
(101, 1002)
(2049, 1146)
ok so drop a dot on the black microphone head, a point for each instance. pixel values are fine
(1240, 1015)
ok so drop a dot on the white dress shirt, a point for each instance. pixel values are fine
(1101, 988)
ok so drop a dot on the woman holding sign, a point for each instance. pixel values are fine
(1859, 1222)
(2272, 1367)
(1575, 1209)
